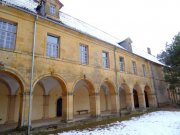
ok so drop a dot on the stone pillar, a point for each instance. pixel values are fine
(11, 108)
(98, 108)
(24, 109)
(94, 104)
(45, 106)
(21, 112)
(70, 106)
(142, 102)
(152, 100)
(117, 102)
(114, 105)
(106, 101)
(64, 107)
(67, 114)
(130, 102)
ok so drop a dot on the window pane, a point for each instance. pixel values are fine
(7, 35)
(134, 67)
(121, 59)
(83, 54)
(144, 70)
(52, 9)
(105, 60)
(52, 39)
(52, 48)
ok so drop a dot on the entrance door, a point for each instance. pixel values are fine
(59, 107)
(146, 99)
(136, 102)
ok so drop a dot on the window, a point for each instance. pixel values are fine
(105, 59)
(144, 70)
(52, 9)
(7, 35)
(122, 64)
(52, 48)
(83, 54)
(134, 67)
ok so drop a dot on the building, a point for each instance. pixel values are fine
(69, 67)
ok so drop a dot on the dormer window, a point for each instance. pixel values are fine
(49, 8)
(52, 9)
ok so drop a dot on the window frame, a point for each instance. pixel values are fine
(134, 67)
(107, 63)
(84, 54)
(52, 9)
(4, 45)
(52, 55)
(121, 64)
(144, 70)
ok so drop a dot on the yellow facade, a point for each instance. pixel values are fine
(64, 81)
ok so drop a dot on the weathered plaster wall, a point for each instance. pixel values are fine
(67, 70)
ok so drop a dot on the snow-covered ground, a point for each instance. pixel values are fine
(155, 123)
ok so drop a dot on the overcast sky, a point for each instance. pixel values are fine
(149, 23)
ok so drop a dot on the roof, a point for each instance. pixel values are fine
(80, 26)
(29, 5)
(145, 55)
(87, 29)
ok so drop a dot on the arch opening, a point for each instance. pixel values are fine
(11, 89)
(84, 101)
(59, 108)
(125, 97)
(122, 97)
(107, 99)
(148, 96)
(136, 100)
(146, 99)
(49, 98)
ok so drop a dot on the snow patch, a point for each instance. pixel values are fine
(155, 123)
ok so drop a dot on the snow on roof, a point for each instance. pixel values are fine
(146, 55)
(80, 26)
(29, 5)
(87, 29)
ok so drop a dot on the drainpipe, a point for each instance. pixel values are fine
(32, 76)
(115, 70)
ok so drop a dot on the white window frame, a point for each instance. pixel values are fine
(144, 70)
(105, 60)
(134, 67)
(121, 64)
(52, 50)
(84, 54)
(7, 34)
(52, 9)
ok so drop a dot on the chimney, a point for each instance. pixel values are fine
(148, 50)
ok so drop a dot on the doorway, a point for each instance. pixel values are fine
(146, 99)
(136, 102)
(59, 107)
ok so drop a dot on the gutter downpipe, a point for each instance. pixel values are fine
(32, 76)
(115, 68)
